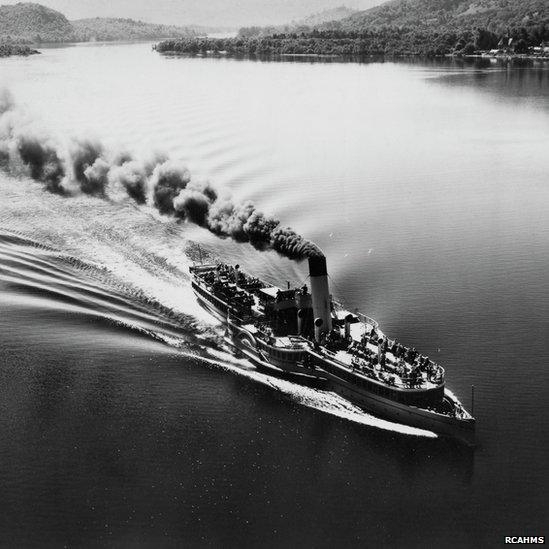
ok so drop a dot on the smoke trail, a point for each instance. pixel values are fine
(85, 167)
(43, 162)
(89, 170)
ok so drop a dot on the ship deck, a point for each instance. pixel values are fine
(395, 373)
(346, 359)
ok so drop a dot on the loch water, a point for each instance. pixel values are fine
(124, 422)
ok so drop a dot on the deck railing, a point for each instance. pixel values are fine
(362, 317)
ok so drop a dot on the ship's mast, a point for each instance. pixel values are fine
(472, 400)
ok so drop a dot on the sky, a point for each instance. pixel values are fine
(232, 13)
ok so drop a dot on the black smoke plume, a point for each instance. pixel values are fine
(89, 169)
(85, 167)
(43, 162)
(167, 181)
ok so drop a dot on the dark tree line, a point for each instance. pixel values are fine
(379, 41)
(8, 48)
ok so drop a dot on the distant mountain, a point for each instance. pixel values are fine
(494, 15)
(299, 26)
(105, 29)
(334, 14)
(210, 13)
(34, 23)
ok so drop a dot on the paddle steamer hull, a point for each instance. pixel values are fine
(307, 362)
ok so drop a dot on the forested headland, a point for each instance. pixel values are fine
(396, 28)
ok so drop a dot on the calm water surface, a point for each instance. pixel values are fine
(122, 420)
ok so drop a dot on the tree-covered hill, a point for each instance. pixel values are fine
(101, 28)
(493, 15)
(26, 22)
(34, 23)
(398, 28)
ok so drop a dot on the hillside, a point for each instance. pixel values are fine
(105, 29)
(27, 22)
(299, 26)
(34, 23)
(398, 28)
(335, 14)
(493, 15)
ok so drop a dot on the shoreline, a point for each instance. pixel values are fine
(352, 58)
(8, 49)
(504, 56)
